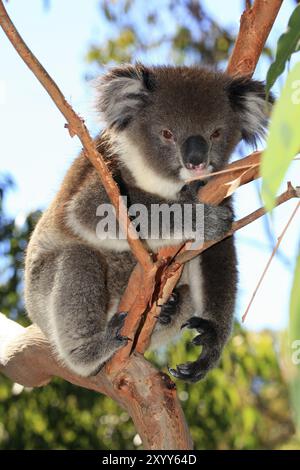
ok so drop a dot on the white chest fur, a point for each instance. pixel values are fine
(195, 281)
(146, 178)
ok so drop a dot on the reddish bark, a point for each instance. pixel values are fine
(255, 26)
(148, 395)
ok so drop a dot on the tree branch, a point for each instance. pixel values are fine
(223, 185)
(290, 193)
(255, 26)
(25, 355)
(148, 395)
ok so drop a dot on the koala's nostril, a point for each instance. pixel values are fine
(195, 151)
(195, 159)
(192, 166)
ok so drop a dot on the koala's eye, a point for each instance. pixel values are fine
(216, 134)
(167, 134)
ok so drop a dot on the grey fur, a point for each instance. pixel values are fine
(74, 280)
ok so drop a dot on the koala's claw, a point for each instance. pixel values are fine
(123, 339)
(169, 309)
(118, 319)
(207, 338)
(195, 323)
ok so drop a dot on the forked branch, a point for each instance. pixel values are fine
(25, 355)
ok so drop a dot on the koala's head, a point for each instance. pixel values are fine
(170, 124)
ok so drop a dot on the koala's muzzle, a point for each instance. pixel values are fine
(195, 152)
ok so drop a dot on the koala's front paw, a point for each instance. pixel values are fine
(169, 309)
(189, 192)
(211, 350)
(217, 221)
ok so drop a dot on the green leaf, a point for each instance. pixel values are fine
(283, 141)
(294, 332)
(288, 43)
(294, 338)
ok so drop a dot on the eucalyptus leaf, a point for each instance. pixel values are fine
(283, 141)
(294, 338)
(294, 332)
(288, 43)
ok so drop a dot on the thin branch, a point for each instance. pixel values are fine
(290, 193)
(168, 282)
(216, 190)
(280, 238)
(221, 172)
(77, 127)
(137, 298)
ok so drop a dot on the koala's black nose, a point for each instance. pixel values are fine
(194, 151)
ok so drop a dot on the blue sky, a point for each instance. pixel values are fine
(37, 150)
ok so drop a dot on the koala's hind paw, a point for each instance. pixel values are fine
(211, 350)
(115, 326)
(169, 309)
(112, 339)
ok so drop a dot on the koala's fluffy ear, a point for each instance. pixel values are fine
(248, 99)
(123, 91)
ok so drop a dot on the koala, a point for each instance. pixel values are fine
(164, 125)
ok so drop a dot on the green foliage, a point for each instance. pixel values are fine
(288, 43)
(116, 50)
(164, 31)
(13, 241)
(61, 416)
(181, 30)
(294, 332)
(243, 404)
(284, 137)
(294, 339)
(282, 145)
